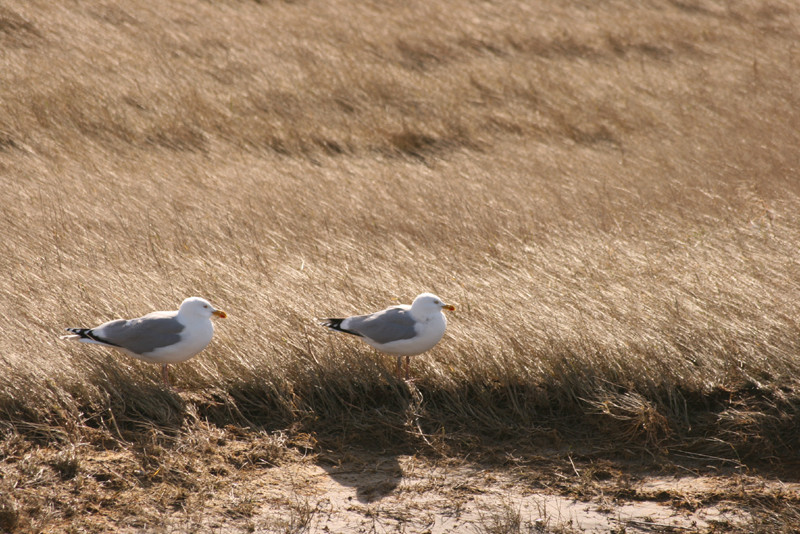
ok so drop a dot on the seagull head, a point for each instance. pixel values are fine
(428, 304)
(199, 307)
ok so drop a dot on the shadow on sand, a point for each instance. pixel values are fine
(372, 466)
(373, 479)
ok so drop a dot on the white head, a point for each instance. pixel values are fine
(197, 307)
(427, 304)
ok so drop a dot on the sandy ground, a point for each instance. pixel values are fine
(410, 494)
(233, 481)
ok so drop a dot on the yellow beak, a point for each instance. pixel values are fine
(448, 307)
(219, 313)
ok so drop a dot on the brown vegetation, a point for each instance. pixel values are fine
(608, 191)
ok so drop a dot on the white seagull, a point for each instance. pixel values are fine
(402, 330)
(163, 337)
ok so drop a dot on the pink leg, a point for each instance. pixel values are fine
(165, 376)
(397, 371)
(408, 360)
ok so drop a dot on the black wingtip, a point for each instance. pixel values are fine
(83, 332)
(87, 333)
(336, 324)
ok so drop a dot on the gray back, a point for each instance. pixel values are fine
(142, 335)
(385, 326)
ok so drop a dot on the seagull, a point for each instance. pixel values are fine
(402, 330)
(163, 337)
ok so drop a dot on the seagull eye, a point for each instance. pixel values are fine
(205, 306)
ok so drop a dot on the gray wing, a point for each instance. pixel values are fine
(141, 335)
(392, 324)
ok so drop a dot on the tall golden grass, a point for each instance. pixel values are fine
(609, 192)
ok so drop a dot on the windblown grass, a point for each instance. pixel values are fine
(609, 194)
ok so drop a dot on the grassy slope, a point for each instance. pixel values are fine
(609, 193)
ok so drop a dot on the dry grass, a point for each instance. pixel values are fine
(609, 193)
